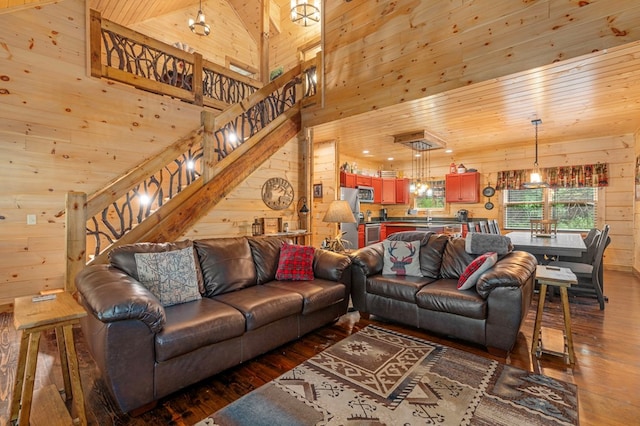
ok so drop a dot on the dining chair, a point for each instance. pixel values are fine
(590, 275)
(493, 227)
(472, 227)
(544, 226)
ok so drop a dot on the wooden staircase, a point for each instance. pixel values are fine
(223, 167)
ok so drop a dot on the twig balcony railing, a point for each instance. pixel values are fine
(121, 54)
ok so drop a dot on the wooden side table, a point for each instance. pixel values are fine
(562, 278)
(33, 318)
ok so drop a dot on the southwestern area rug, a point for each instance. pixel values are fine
(380, 377)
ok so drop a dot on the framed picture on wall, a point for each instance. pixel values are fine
(317, 190)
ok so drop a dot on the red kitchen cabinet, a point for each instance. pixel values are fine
(362, 180)
(347, 180)
(402, 191)
(462, 187)
(360, 236)
(388, 191)
(376, 183)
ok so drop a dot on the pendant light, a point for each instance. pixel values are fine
(429, 188)
(199, 26)
(305, 12)
(535, 180)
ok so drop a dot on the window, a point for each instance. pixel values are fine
(434, 201)
(575, 208)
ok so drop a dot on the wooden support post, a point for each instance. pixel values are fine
(264, 42)
(197, 79)
(208, 121)
(76, 244)
(95, 43)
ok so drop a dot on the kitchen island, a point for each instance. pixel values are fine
(377, 230)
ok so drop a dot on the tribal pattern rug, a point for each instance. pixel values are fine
(381, 377)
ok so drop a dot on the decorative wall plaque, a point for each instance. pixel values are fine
(277, 193)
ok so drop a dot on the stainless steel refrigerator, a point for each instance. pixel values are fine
(350, 195)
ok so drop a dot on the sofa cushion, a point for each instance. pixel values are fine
(190, 326)
(455, 259)
(477, 267)
(397, 287)
(316, 294)
(401, 258)
(443, 296)
(227, 264)
(262, 304)
(123, 257)
(295, 263)
(266, 253)
(170, 275)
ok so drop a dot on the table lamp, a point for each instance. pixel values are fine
(339, 212)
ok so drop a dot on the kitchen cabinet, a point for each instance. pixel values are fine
(462, 187)
(383, 231)
(388, 191)
(376, 183)
(402, 191)
(360, 236)
(347, 180)
(394, 229)
(362, 180)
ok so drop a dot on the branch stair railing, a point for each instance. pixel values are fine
(160, 198)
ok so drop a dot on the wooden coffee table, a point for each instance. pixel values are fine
(562, 278)
(60, 314)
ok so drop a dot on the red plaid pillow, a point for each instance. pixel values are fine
(476, 268)
(296, 263)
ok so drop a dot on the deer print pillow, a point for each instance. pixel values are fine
(401, 258)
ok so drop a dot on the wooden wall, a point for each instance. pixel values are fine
(386, 52)
(61, 130)
(636, 207)
(325, 157)
(228, 37)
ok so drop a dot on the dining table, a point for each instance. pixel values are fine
(560, 244)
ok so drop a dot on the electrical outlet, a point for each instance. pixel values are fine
(31, 219)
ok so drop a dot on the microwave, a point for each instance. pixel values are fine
(365, 194)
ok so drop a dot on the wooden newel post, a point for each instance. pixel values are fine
(76, 244)
(208, 142)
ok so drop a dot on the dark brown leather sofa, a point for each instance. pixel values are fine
(145, 351)
(489, 314)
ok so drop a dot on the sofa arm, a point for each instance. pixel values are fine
(332, 266)
(111, 295)
(369, 259)
(513, 270)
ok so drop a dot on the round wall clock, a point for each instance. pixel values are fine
(277, 193)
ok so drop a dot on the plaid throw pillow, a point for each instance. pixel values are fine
(296, 263)
(476, 268)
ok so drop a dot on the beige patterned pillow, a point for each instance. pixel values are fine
(170, 276)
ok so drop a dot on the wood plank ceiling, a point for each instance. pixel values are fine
(595, 95)
(590, 96)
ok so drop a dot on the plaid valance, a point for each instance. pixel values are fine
(585, 175)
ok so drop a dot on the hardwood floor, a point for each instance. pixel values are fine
(607, 369)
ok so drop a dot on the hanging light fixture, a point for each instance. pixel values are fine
(535, 180)
(429, 188)
(199, 26)
(305, 12)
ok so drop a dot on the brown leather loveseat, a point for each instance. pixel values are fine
(490, 313)
(145, 350)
